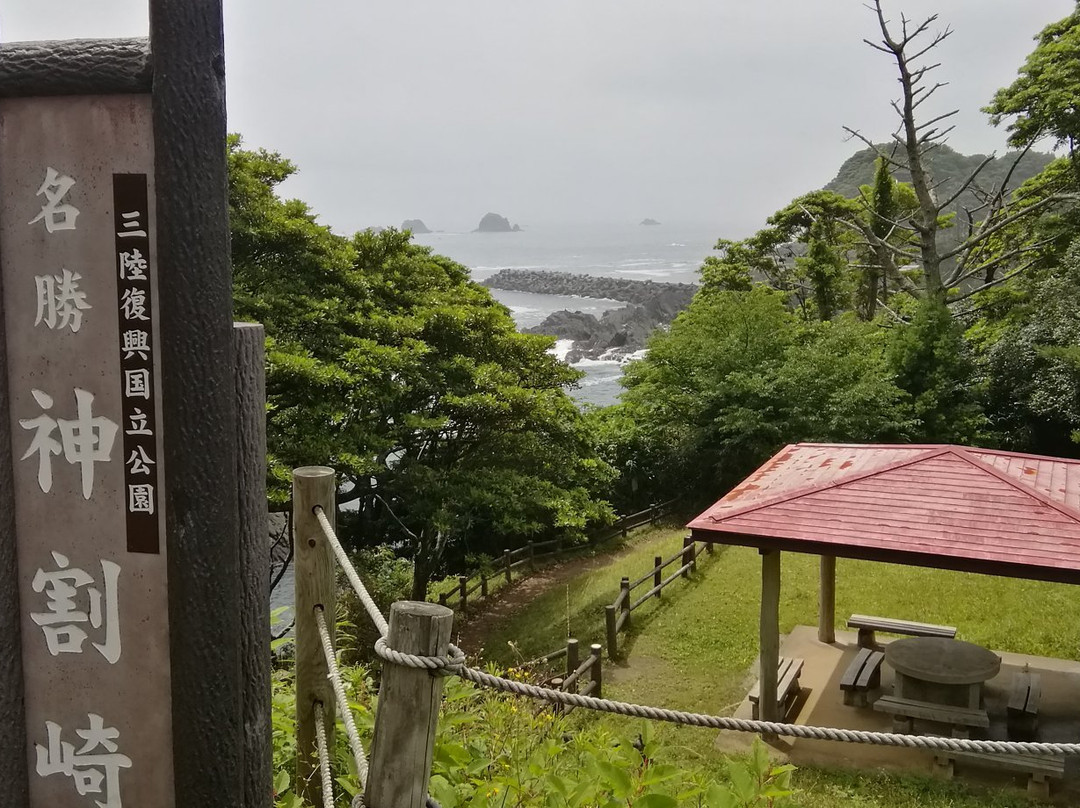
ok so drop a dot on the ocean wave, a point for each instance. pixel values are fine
(641, 262)
(561, 348)
(676, 244)
(659, 273)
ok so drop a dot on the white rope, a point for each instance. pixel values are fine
(350, 573)
(345, 711)
(455, 665)
(324, 757)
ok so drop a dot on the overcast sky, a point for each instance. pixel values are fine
(691, 111)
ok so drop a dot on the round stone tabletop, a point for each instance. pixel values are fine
(937, 659)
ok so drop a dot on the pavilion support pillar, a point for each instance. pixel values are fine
(770, 635)
(826, 631)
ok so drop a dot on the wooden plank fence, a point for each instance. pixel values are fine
(617, 614)
(525, 558)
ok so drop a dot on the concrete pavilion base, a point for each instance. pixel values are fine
(821, 704)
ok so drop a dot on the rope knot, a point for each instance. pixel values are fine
(449, 665)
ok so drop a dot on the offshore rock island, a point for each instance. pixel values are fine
(618, 332)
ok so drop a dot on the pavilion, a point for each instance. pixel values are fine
(948, 507)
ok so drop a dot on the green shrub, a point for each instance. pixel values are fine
(498, 751)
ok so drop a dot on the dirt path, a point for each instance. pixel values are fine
(512, 600)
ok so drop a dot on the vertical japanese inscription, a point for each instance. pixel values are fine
(77, 212)
(135, 309)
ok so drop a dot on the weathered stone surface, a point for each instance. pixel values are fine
(417, 226)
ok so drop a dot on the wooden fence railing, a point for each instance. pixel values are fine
(575, 670)
(526, 557)
(617, 614)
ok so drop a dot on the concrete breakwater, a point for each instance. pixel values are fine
(567, 283)
(619, 332)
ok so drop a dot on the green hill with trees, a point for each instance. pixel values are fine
(947, 168)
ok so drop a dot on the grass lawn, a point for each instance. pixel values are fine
(694, 649)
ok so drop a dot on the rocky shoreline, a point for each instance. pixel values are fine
(619, 332)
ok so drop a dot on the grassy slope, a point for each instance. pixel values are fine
(694, 649)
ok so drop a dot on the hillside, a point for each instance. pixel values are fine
(946, 166)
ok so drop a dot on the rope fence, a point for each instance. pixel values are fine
(453, 663)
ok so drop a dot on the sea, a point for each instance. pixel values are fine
(671, 253)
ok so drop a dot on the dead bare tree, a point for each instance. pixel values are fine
(954, 271)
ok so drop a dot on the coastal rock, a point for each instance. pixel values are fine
(575, 325)
(650, 222)
(494, 223)
(618, 332)
(417, 226)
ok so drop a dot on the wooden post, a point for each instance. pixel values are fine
(612, 634)
(408, 710)
(769, 637)
(687, 554)
(572, 659)
(315, 586)
(442, 598)
(693, 555)
(506, 564)
(597, 671)
(658, 574)
(463, 592)
(624, 588)
(710, 547)
(557, 684)
(249, 342)
(483, 585)
(826, 631)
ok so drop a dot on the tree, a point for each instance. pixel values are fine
(1028, 354)
(1044, 101)
(953, 265)
(933, 365)
(738, 375)
(452, 432)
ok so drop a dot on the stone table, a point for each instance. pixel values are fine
(939, 679)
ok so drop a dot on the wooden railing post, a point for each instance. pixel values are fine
(693, 555)
(597, 672)
(408, 711)
(572, 660)
(658, 573)
(463, 591)
(442, 598)
(506, 564)
(483, 585)
(687, 546)
(710, 547)
(557, 684)
(315, 587)
(624, 588)
(612, 633)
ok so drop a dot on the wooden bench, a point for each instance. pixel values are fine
(904, 711)
(787, 687)
(868, 624)
(1040, 768)
(1023, 710)
(862, 676)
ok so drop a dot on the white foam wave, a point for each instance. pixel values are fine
(561, 348)
(676, 244)
(659, 273)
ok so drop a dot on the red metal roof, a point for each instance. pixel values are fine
(941, 506)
